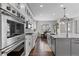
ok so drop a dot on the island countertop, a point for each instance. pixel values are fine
(64, 36)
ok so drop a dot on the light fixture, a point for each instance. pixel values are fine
(53, 14)
(62, 23)
(68, 29)
(22, 6)
(41, 6)
(67, 14)
(65, 19)
(61, 5)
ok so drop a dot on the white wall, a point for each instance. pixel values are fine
(40, 23)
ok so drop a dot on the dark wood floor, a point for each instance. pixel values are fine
(41, 48)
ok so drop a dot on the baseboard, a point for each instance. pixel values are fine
(31, 51)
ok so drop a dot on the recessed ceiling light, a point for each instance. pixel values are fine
(62, 23)
(53, 14)
(61, 5)
(67, 14)
(22, 6)
(41, 6)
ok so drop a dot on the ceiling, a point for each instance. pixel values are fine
(53, 11)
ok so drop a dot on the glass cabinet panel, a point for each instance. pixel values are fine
(70, 25)
(62, 27)
(76, 26)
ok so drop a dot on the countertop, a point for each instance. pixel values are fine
(64, 36)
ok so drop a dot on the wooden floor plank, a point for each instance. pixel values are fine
(41, 48)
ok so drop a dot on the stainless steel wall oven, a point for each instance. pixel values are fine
(11, 28)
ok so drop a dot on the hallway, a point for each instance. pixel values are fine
(41, 48)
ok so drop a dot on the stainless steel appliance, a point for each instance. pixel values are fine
(11, 28)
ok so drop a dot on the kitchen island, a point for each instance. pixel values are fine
(64, 46)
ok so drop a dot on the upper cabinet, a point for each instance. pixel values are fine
(65, 27)
(76, 25)
(23, 11)
(73, 27)
(62, 27)
(70, 27)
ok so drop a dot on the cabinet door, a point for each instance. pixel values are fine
(30, 43)
(33, 40)
(26, 47)
(53, 44)
(62, 47)
(75, 47)
(76, 27)
(27, 44)
(63, 27)
(49, 40)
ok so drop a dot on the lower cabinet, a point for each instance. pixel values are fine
(62, 47)
(29, 43)
(26, 47)
(53, 44)
(75, 47)
(49, 40)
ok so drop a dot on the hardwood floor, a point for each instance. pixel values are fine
(41, 48)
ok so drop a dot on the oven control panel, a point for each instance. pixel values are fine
(9, 8)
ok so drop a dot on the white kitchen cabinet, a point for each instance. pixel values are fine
(75, 47)
(62, 47)
(49, 39)
(34, 37)
(53, 44)
(28, 44)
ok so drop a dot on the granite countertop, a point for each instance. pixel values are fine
(64, 36)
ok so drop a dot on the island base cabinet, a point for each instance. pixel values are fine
(62, 47)
(53, 45)
(75, 47)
